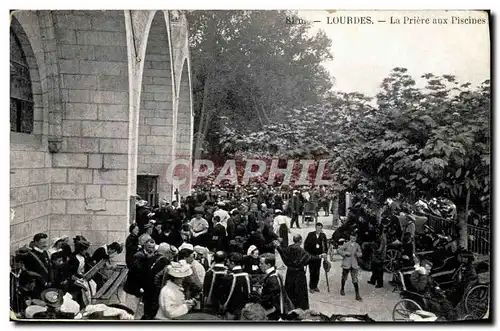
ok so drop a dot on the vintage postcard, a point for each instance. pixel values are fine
(250, 165)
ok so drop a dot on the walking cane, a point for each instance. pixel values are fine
(327, 266)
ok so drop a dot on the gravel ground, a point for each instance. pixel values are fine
(377, 303)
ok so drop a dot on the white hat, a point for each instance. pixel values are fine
(186, 246)
(179, 270)
(141, 203)
(201, 250)
(221, 204)
(251, 249)
(163, 248)
(276, 211)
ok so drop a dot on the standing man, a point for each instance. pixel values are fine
(296, 259)
(315, 244)
(273, 294)
(379, 252)
(350, 251)
(295, 206)
(222, 213)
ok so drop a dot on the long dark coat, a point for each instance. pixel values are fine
(296, 259)
(131, 247)
(136, 274)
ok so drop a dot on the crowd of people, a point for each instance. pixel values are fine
(211, 257)
(224, 248)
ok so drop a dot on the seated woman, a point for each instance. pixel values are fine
(434, 298)
(172, 301)
(78, 264)
(104, 253)
(407, 253)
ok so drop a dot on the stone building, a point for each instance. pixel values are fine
(100, 106)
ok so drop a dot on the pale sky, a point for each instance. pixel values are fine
(365, 54)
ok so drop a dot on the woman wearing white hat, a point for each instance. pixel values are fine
(172, 300)
(251, 261)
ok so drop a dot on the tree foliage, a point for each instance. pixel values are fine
(421, 142)
(247, 65)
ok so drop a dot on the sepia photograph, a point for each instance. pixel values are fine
(250, 166)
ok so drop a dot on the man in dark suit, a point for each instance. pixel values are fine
(235, 287)
(295, 206)
(37, 260)
(315, 244)
(212, 282)
(273, 295)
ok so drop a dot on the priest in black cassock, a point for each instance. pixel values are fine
(296, 259)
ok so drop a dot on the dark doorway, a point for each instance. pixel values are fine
(147, 188)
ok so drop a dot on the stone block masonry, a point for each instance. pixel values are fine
(92, 165)
(156, 111)
(80, 74)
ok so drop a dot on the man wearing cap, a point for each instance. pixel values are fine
(350, 252)
(172, 301)
(235, 287)
(37, 260)
(212, 282)
(315, 244)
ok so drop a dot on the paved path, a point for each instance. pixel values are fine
(377, 303)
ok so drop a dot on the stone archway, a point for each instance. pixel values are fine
(156, 112)
(184, 128)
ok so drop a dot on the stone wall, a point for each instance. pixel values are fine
(184, 133)
(156, 108)
(30, 162)
(79, 65)
(89, 189)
